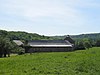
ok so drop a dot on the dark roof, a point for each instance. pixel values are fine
(49, 43)
(68, 38)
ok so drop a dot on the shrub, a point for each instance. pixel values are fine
(20, 51)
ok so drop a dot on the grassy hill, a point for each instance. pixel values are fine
(85, 62)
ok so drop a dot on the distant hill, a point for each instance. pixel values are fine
(93, 36)
(23, 35)
(26, 36)
(34, 36)
(90, 36)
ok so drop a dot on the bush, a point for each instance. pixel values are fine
(20, 51)
(79, 46)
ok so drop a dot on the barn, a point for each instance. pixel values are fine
(50, 45)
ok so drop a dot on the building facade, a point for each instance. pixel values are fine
(50, 45)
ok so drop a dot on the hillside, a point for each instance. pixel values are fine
(93, 36)
(34, 36)
(26, 36)
(85, 62)
(23, 35)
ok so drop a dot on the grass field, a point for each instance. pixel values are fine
(82, 62)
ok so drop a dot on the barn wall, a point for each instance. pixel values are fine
(53, 49)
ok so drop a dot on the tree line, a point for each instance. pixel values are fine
(86, 43)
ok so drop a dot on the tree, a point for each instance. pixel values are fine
(3, 33)
(98, 43)
(87, 44)
(5, 46)
(79, 45)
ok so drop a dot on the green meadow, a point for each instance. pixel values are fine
(80, 62)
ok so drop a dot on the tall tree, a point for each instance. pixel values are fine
(5, 46)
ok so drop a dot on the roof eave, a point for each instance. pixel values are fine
(51, 45)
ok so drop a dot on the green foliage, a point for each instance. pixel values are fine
(79, 45)
(98, 43)
(85, 62)
(87, 43)
(5, 46)
(20, 50)
(3, 33)
(83, 44)
(93, 36)
(26, 36)
(17, 49)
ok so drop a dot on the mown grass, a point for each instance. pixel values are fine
(83, 62)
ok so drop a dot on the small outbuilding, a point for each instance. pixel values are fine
(18, 42)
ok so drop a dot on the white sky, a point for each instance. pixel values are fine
(50, 17)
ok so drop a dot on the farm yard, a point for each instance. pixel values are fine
(81, 62)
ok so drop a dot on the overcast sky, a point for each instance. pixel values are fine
(50, 17)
